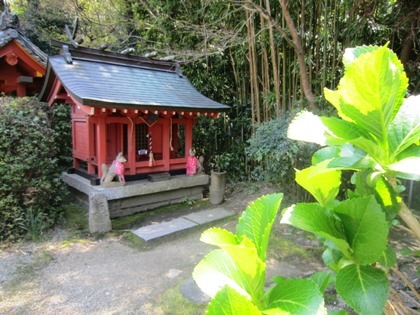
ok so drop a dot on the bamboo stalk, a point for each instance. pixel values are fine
(273, 60)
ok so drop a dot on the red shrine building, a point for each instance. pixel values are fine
(22, 64)
(141, 107)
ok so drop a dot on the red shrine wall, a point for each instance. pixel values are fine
(97, 139)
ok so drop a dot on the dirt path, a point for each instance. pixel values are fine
(100, 276)
(106, 276)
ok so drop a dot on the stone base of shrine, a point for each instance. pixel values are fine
(104, 204)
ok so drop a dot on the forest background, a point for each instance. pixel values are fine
(266, 59)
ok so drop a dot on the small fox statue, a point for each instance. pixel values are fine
(116, 169)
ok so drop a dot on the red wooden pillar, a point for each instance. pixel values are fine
(188, 136)
(90, 145)
(76, 163)
(101, 141)
(131, 146)
(166, 153)
(21, 90)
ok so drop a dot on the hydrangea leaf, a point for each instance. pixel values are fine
(296, 296)
(404, 130)
(323, 186)
(364, 288)
(367, 240)
(216, 270)
(371, 92)
(229, 302)
(311, 217)
(257, 220)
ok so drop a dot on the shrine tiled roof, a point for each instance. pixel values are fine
(103, 79)
(9, 31)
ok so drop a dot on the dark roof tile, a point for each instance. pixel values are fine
(99, 83)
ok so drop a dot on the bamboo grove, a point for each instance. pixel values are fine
(262, 57)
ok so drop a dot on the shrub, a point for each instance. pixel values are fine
(31, 191)
(276, 155)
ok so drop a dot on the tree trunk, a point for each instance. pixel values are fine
(273, 60)
(307, 91)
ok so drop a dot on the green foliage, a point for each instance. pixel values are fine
(61, 124)
(234, 275)
(278, 156)
(222, 139)
(354, 231)
(221, 162)
(31, 191)
(377, 135)
(188, 201)
(240, 261)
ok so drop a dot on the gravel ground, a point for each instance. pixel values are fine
(106, 276)
(95, 277)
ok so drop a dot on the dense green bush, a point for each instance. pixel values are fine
(276, 156)
(31, 192)
(223, 137)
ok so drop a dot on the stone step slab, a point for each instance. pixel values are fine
(183, 223)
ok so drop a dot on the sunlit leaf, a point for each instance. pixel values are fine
(352, 53)
(405, 129)
(216, 270)
(371, 92)
(408, 168)
(257, 220)
(311, 217)
(324, 187)
(307, 127)
(218, 236)
(297, 296)
(229, 302)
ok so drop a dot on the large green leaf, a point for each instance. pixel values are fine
(313, 218)
(364, 288)
(373, 183)
(365, 227)
(371, 92)
(341, 131)
(344, 157)
(296, 296)
(229, 302)
(243, 254)
(377, 152)
(352, 53)
(324, 187)
(307, 127)
(405, 129)
(218, 237)
(246, 258)
(234, 263)
(216, 270)
(387, 197)
(257, 220)
(408, 168)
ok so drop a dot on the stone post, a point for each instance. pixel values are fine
(99, 218)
